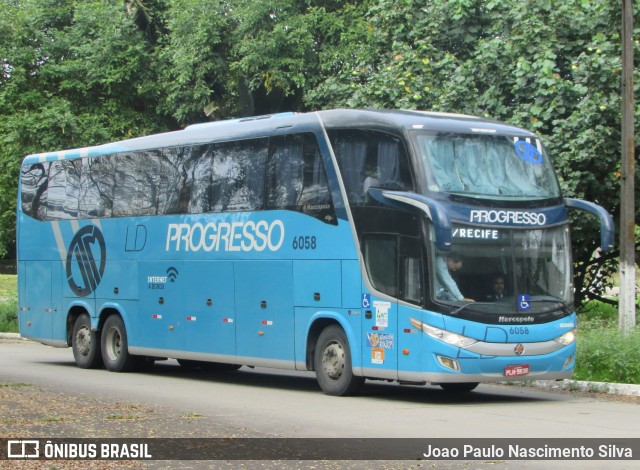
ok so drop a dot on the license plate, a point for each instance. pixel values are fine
(516, 371)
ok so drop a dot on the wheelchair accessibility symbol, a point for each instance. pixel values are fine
(524, 302)
(366, 300)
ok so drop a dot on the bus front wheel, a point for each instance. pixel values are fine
(85, 344)
(115, 352)
(332, 361)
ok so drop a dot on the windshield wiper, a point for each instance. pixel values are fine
(460, 309)
(563, 304)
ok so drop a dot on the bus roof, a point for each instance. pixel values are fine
(244, 128)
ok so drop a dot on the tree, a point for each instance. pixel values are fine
(547, 65)
(74, 74)
(81, 73)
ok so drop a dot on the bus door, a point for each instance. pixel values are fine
(264, 309)
(380, 314)
(411, 273)
(209, 312)
(395, 266)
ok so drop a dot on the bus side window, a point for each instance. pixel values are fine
(136, 183)
(198, 177)
(350, 149)
(63, 189)
(284, 172)
(238, 175)
(315, 187)
(296, 179)
(172, 179)
(411, 262)
(370, 159)
(96, 187)
(394, 265)
(34, 189)
(381, 261)
(186, 180)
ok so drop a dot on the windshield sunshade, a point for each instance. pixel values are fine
(494, 166)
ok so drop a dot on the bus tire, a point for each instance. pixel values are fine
(115, 352)
(85, 344)
(461, 387)
(332, 361)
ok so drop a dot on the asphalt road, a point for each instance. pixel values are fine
(43, 393)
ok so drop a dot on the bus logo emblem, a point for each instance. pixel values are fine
(528, 153)
(86, 258)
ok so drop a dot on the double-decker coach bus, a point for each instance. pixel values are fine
(409, 246)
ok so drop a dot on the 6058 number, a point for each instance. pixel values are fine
(304, 242)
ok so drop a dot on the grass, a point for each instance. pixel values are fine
(604, 354)
(119, 417)
(8, 303)
(14, 384)
(8, 286)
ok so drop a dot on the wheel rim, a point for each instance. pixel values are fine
(333, 360)
(114, 344)
(83, 341)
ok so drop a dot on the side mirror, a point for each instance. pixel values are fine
(434, 211)
(607, 229)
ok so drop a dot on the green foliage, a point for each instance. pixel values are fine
(550, 66)
(9, 316)
(83, 73)
(604, 353)
(190, 61)
(8, 303)
(74, 74)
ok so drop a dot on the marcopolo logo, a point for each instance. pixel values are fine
(86, 259)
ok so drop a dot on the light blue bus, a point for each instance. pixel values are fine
(407, 246)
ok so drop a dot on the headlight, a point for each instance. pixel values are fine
(567, 338)
(444, 335)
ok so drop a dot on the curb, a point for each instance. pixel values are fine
(11, 336)
(631, 390)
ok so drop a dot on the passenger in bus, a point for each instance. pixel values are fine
(497, 287)
(446, 286)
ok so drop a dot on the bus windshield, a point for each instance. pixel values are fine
(505, 271)
(487, 166)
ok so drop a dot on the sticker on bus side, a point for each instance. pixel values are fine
(528, 152)
(86, 259)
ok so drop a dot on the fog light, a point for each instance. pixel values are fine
(449, 363)
(567, 362)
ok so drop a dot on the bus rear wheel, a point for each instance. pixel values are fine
(85, 344)
(462, 387)
(332, 361)
(115, 348)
